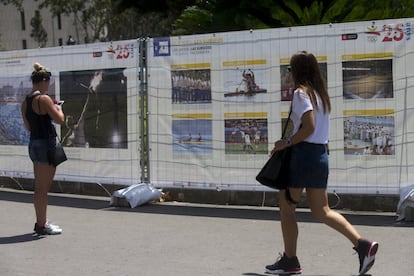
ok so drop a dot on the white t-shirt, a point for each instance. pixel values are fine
(301, 103)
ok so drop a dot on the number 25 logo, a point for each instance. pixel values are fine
(395, 34)
(122, 52)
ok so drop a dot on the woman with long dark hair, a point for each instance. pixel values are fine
(309, 167)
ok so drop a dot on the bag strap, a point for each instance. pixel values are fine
(287, 122)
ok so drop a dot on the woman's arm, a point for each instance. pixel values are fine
(55, 112)
(307, 128)
(26, 123)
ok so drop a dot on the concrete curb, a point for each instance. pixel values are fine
(355, 202)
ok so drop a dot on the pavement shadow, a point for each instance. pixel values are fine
(29, 237)
(234, 212)
(56, 200)
(267, 274)
(215, 211)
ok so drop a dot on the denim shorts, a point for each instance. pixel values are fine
(38, 150)
(309, 166)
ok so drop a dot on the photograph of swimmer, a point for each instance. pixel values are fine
(192, 136)
(367, 79)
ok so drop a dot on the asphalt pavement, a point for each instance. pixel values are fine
(175, 238)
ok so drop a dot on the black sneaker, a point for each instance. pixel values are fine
(48, 229)
(366, 252)
(285, 266)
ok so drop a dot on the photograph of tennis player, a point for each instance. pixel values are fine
(95, 108)
(367, 79)
(191, 86)
(246, 136)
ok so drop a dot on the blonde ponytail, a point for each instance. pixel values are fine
(40, 73)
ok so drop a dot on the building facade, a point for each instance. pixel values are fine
(16, 29)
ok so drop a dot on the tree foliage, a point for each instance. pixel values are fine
(38, 32)
(16, 3)
(91, 17)
(100, 20)
(379, 9)
(227, 15)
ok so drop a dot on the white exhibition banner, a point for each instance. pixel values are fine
(98, 83)
(216, 104)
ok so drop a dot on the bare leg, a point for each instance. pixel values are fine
(288, 221)
(318, 203)
(44, 174)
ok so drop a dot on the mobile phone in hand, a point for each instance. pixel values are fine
(60, 102)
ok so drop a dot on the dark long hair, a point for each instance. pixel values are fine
(307, 76)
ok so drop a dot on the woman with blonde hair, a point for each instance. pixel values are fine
(38, 111)
(309, 167)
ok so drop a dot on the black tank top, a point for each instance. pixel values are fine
(41, 126)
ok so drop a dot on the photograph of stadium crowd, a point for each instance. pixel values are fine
(369, 135)
(191, 86)
(246, 136)
(13, 91)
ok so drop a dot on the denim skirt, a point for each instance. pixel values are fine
(38, 149)
(309, 166)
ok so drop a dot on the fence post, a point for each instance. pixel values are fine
(143, 110)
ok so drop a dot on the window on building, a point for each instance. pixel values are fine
(22, 20)
(59, 22)
(24, 44)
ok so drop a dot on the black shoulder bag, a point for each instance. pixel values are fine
(275, 172)
(56, 154)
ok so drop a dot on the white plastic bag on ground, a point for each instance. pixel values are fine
(137, 194)
(406, 200)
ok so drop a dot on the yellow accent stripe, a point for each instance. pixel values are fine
(284, 114)
(205, 65)
(192, 116)
(368, 112)
(367, 56)
(246, 115)
(244, 62)
(284, 61)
